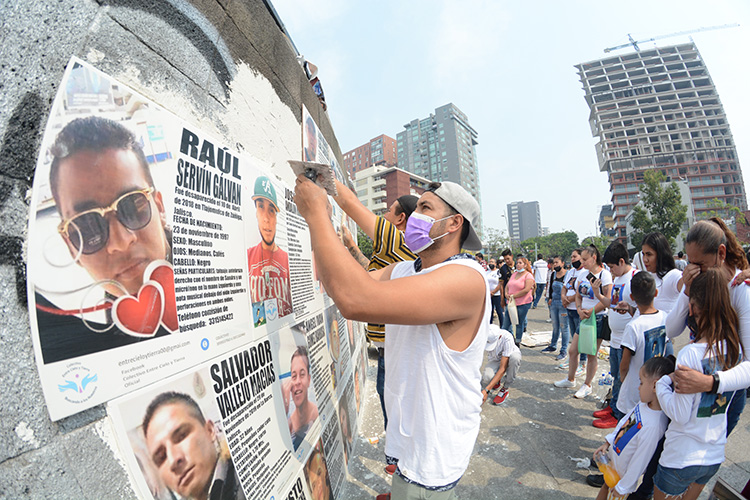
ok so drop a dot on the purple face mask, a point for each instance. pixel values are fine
(417, 234)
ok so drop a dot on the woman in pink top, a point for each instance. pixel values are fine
(521, 287)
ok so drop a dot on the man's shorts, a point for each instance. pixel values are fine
(411, 491)
(676, 481)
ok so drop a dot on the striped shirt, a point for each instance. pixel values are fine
(388, 248)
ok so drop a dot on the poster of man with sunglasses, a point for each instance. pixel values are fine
(112, 227)
(133, 270)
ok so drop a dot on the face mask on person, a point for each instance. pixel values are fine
(576, 264)
(492, 266)
(558, 269)
(417, 234)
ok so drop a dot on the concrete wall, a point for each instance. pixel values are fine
(224, 65)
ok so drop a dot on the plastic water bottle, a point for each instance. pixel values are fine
(600, 388)
(608, 381)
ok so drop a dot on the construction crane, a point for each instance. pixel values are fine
(635, 43)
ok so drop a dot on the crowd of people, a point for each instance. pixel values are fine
(432, 308)
(670, 417)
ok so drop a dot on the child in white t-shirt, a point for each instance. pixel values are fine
(694, 442)
(621, 308)
(633, 442)
(643, 339)
(503, 361)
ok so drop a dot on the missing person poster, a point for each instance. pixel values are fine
(215, 426)
(137, 267)
(172, 276)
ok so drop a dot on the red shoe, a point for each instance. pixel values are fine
(496, 386)
(605, 423)
(603, 413)
(501, 396)
(390, 469)
(383, 496)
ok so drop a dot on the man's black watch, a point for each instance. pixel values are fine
(715, 387)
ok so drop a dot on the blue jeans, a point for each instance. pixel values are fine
(496, 306)
(675, 482)
(735, 410)
(380, 385)
(615, 356)
(522, 312)
(559, 315)
(539, 292)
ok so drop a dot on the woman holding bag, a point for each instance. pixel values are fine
(593, 288)
(519, 289)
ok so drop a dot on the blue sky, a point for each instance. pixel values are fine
(509, 67)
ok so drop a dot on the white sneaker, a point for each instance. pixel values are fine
(566, 383)
(584, 391)
(581, 370)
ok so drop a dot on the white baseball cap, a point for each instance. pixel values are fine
(462, 202)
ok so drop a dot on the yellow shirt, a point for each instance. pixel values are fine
(389, 247)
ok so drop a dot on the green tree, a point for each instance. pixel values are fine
(561, 244)
(662, 209)
(364, 243)
(719, 208)
(494, 242)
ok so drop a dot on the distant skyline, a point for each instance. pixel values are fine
(509, 67)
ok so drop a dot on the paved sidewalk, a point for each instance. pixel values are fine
(524, 445)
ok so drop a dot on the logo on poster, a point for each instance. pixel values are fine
(272, 309)
(204, 344)
(79, 383)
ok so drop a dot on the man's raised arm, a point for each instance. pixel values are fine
(354, 208)
(447, 294)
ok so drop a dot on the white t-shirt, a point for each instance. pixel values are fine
(506, 345)
(633, 443)
(668, 291)
(697, 432)
(738, 377)
(433, 440)
(620, 293)
(569, 285)
(646, 336)
(493, 279)
(587, 293)
(540, 271)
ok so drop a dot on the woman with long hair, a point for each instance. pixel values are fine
(659, 261)
(711, 245)
(520, 287)
(695, 439)
(593, 289)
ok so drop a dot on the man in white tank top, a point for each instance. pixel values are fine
(436, 311)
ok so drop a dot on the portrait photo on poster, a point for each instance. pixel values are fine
(178, 441)
(267, 258)
(297, 391)
(100, 242)
(316, 473)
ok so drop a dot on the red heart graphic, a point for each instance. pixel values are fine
(140, 316)
(162, 272)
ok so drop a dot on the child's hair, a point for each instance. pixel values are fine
(643, 288)
(592, 250)
(664, 258)
(715, 316)
(614, 252)
(659, 366)
(709, 234)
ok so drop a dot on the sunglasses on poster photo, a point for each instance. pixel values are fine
(90, 229)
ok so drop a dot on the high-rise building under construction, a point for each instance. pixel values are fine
(659, 109)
